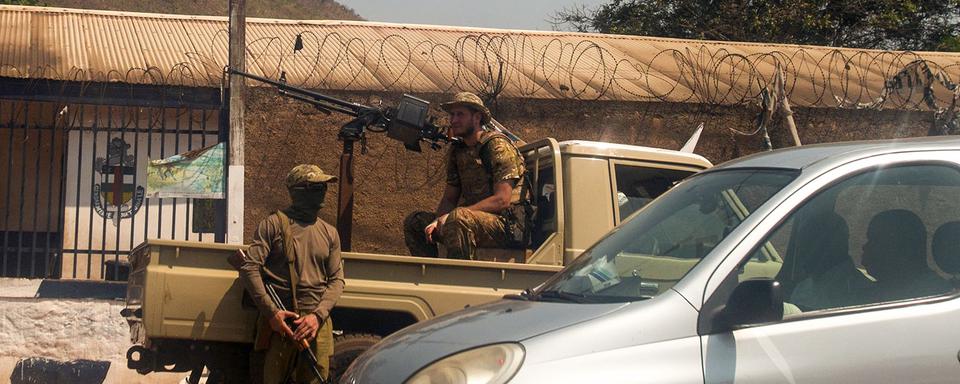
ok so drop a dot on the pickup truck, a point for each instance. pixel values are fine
(184, 302)
(827, 263)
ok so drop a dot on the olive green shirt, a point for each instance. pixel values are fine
(318, 263)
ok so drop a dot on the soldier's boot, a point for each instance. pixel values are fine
(413, 236)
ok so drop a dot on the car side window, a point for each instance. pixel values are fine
(884, 235)
(545, 195)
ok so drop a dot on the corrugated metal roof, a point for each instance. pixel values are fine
(70, 44)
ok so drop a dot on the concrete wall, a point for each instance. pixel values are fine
(390, 182)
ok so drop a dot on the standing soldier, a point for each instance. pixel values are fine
(299, 255)
(479, 206)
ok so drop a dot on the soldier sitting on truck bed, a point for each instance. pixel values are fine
(294, 248)
(480, 204)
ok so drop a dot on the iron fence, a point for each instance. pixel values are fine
(73, 197)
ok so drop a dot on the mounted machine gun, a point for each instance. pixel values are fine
(408, 123)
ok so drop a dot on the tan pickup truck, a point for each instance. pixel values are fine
(184, 301)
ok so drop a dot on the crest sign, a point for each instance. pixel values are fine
(117, 196)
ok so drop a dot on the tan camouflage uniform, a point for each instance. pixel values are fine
(474, 170)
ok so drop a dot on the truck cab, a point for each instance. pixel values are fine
(602, 185)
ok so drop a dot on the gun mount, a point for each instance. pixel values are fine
(408, 123)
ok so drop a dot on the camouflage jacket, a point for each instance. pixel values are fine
(476, 169)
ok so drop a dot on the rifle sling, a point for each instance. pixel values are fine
(291, 258)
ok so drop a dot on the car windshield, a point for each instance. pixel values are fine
(650, 252)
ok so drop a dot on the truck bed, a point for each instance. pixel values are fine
(188, 290)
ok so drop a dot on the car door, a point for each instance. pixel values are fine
(869, 289)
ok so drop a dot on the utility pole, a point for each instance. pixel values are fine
(235, 173)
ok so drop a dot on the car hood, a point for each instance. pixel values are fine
(402, 354)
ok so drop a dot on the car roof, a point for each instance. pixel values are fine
(838, 153)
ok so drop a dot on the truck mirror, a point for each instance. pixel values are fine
(752, 302)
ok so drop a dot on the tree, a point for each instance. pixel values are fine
(22, 2)
(881, 24)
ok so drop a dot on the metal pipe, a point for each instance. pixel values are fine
(176, 150)
(203, 144)
(163, 144)
(146, 213)
(36, 205)
(76, 209)
(62, 202)
(23, 185)
(93, 166)
(122, 175)
(9, 191)
(103, 222)
(345, 196)
(53, 143)
(136, 156)
(223, 135)
(185, 131)
(187, 219)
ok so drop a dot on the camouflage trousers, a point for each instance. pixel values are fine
(283, 364)
(462, 232)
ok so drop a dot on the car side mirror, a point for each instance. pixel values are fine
(751, 302)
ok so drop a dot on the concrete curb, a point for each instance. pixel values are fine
(66, 331)
(62, 289)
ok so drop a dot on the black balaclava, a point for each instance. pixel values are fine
(306, 202)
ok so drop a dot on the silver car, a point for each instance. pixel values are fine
(825, 263)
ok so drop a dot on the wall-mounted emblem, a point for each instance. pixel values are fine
(117, 196)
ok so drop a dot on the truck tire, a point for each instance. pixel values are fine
(346, 348)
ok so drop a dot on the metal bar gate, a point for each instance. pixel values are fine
(72, 184)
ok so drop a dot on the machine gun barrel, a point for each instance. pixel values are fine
(496, 126)
(320, 100)
(408, 123)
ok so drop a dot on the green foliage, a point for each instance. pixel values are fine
(881, 24)
(22, 2)
(949, 43)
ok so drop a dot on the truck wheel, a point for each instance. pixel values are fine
(347, 347)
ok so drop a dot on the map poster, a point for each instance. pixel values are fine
(196, 174)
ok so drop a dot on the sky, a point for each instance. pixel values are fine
(511, 14)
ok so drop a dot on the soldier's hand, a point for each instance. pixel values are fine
(429, 231)
(307, 327)
(434, 226)
(278, 323)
